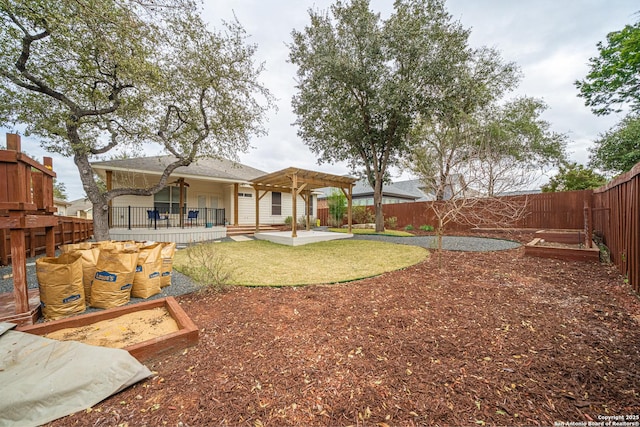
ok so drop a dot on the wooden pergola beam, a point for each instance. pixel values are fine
(295, 181)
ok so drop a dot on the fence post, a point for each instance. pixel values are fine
(129, 217)
(19, 266)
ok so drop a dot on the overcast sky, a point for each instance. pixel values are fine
(550, 40)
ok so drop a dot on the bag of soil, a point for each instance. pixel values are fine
(60, 283)
(146, 281)
(116, 245)
(89, 261)
(168, 251)
(74, 247)
(112, 282)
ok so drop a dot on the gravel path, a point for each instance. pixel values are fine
(449, 243)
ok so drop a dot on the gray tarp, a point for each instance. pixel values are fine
(43, 379)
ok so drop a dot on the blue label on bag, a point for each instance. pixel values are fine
(166, 273)
(71, 298)
(154, 274)
(127, 286)
(105, 276)
(139, 269)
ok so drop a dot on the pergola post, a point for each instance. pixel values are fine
(349, 206)
(236, 188)
(307, 206)
(257, 190)
(294, 206)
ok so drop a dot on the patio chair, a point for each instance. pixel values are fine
(191, 215)
(154, 216)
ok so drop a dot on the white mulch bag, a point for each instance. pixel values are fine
(146, 281)
(60, 283)
(113, 280)
(168, 251)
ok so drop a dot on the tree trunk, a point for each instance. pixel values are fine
(377, 202)
(101, 221)
(100, 203)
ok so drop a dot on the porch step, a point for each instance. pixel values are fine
(237, 230)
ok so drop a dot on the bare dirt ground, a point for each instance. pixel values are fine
(487, 339)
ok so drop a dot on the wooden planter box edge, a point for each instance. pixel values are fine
(574, 254)
(185, 336)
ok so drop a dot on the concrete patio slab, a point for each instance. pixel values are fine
(304, 237)
(240, 238)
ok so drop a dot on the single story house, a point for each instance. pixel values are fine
(412, 190)
(80, 208)
(61, 205)
(391, 193)
(210, 193)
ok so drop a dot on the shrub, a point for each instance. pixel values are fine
(362, 215)
(210, 269)
(337, 203)
(426, 227)
(302, 222)
(391, 222)
(408, 227)
(288, 220)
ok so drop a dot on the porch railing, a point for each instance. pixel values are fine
(149, 217)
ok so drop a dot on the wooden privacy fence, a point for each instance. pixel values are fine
(544, 210)
(68, 230)
(616, 215)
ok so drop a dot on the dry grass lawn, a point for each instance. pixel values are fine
(262, 263)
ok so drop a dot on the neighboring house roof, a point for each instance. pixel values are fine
(520, 192)
(60, 202)
(417, 188)
(79, 205)
(363, 189)
(204, 168)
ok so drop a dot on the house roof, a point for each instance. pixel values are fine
(203, 168)
(415, 187)
(363, 189)
(61, 202)
(82, 204)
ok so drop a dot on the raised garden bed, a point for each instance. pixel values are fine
(185, 335)
(577, 252)
(573, 237)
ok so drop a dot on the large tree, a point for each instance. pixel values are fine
(92, 76)
(614, 76)
(363, 81)
(618, 149)
(514, 146)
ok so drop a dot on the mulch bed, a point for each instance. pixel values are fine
(486, 338)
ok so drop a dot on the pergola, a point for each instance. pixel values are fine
(300, 182)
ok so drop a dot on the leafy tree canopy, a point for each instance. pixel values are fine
(362, 81)
(614, 76)
(513, 147)
(618, 149)
(89, 76)
(59, 190)
(572, 176)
